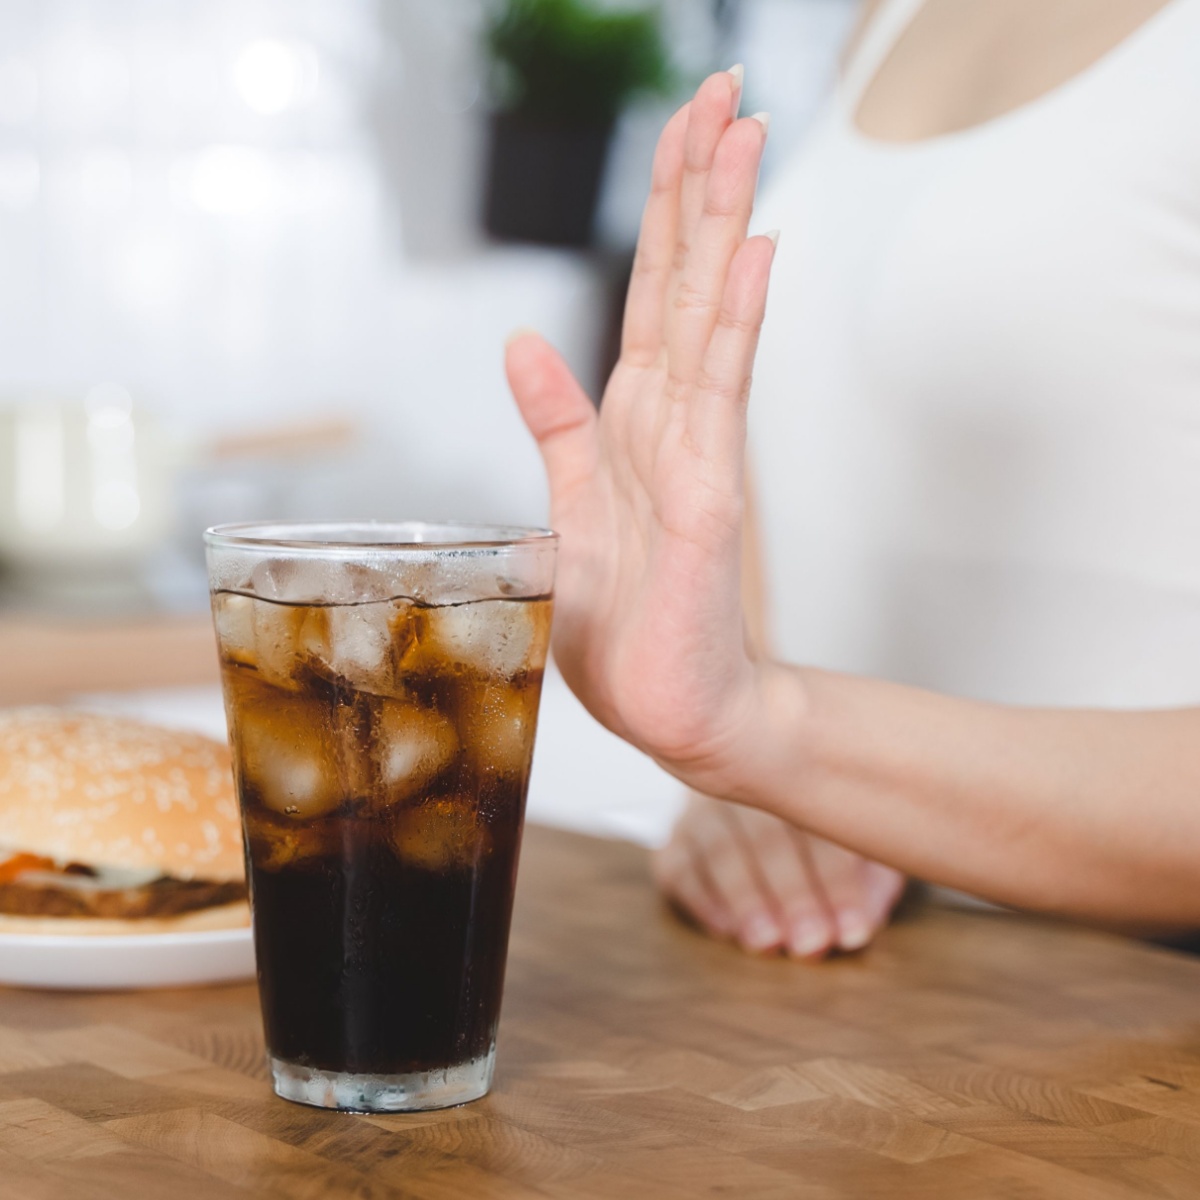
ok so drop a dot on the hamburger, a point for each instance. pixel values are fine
(109, 825)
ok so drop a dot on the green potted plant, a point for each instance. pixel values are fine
(563, 71)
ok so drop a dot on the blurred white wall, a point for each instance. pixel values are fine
(192, 203)
(248, 210)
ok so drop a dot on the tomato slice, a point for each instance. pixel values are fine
(18, 864)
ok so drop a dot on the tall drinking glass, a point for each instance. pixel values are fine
(381, 684)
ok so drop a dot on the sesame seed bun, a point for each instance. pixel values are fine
(110, 792)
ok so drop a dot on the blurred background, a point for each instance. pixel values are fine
(258, 258)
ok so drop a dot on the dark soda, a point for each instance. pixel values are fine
(382, 757)
(369, 964)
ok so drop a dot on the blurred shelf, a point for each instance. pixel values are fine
(49, 659)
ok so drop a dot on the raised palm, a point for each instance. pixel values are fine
(647, 495)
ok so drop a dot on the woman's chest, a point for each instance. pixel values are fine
(958, 65)
(1052, 266)
(995, 348)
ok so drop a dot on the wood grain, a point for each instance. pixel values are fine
(48, 659)
(964, 1055)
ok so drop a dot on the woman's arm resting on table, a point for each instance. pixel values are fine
(745, 874)
(1090, 814)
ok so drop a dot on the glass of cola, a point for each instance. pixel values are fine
(381, 685)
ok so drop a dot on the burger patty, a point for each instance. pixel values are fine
(164, 897)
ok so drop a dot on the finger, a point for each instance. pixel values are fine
(678, 878)
(843, 878)
(720, 230)
(784, 875)
(885, 886)
(711, 113)
(717, 408)
(722, 859)
(555, 408)
(653, 263)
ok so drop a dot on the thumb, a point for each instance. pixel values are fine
(556, 409)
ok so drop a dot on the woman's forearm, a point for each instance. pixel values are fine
(1090, 814)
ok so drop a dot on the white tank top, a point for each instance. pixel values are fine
(976, 412)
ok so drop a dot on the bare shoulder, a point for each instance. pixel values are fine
(866, 14)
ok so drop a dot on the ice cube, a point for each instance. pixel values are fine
(276, 843)
(233, 617)
(499, 728)
(290, 581)
(491, 637)
(276, 630)
(441, 833)
(289, 755)
(339, 618)
(354, 583)
(359, 644)
(324, 582)
(413, 745)
(311, 634)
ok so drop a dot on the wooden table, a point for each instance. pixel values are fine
(45, 659)
(965, 1055)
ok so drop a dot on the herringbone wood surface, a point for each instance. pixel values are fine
(965, 1055)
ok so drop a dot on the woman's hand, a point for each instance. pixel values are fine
(749, 876)
(647, 495)
(648, 498)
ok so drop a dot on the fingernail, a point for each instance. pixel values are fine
(764, 119)
(738, 73)
(808, 938)
(759, 933)
(772, 237)
(518, 333)
(853, 931)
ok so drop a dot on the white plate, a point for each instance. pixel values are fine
(146, 960)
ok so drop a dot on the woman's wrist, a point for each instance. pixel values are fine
(763, 749)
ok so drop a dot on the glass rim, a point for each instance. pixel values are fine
(262, 535)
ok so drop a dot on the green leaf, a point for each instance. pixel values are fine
(566, 62)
